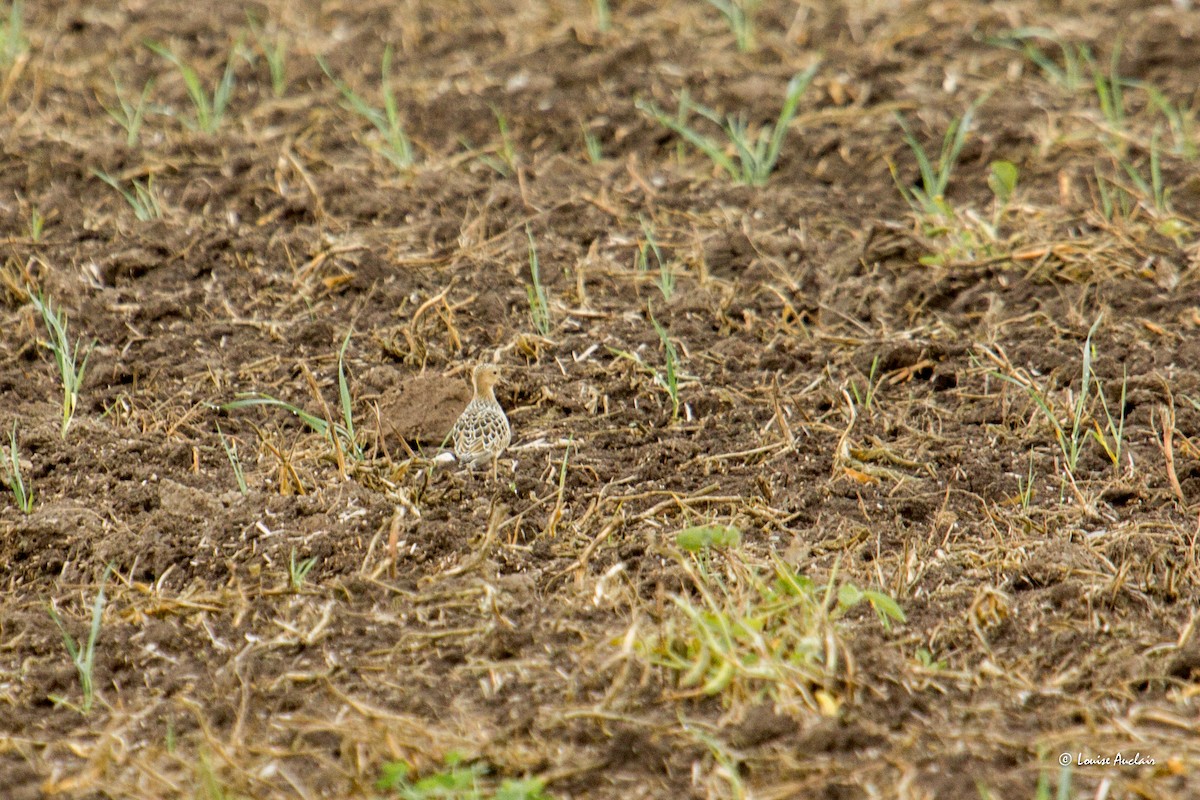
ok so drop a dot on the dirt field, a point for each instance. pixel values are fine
(975, 408)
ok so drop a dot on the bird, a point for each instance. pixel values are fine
(482, 430)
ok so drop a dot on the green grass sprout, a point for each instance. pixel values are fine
(755, 154)
(1110, 94)
(1069, 76)
(591, 146)
(457, 780)
(539, 301)
(702, 537)
(274, 50)
(127, 114)
(745, 631)
(231, 453)
(209, 110)
(666, 274)
(1181, 122)
(739, 14)
(603, 15)
(12, 35)
(84, 658)
(1080, 423)
(670, 380)
(71, 367)
(930, 198)
(313, 422)
(397, 147)
(298, 571)
(36, 225)
(504, 162)
(16, 482)
(344, 392)
(143, 199)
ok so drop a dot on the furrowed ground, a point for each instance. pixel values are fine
(851, 351)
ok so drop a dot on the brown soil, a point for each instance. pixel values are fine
(450, 613)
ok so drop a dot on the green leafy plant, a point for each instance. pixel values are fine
(209, 111)
(755, 154)
(1002, 180)
(458, 780)
(128, 114)
(84, 658)
(143, 199)
(1122, 201)
(341, 435)
(1025, 486)
(37, 224)
(740, 16)
(209, 783)
(1043, 790)
(1112, 436)
(16, 482)
(1151, 193)
(729, 762)
(12, 35)
(1070, 75)
(507, 157)
(929, 198)
(397, 147)
(591, 146)
(1110, 94)
(965, 234)
(666, 274)
(744, 631)
(1065, 778)
(927, 661)
(603, 15)
(1180, 121)
(1116, 201)
(1080, 423)
(71, 367)
(313, 422)
(865, 398)
(231, 453)
(1107, 85)
(298, 572)
(539, 301)
(274, 50)
(701, 537)
(670, 379)
(504, 162)
(344, 390)
(1072, 446)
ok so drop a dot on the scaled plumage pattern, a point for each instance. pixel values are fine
(482, 431)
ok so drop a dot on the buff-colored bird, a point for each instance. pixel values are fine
(482, 431)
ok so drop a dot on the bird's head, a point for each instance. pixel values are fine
(485, 377)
